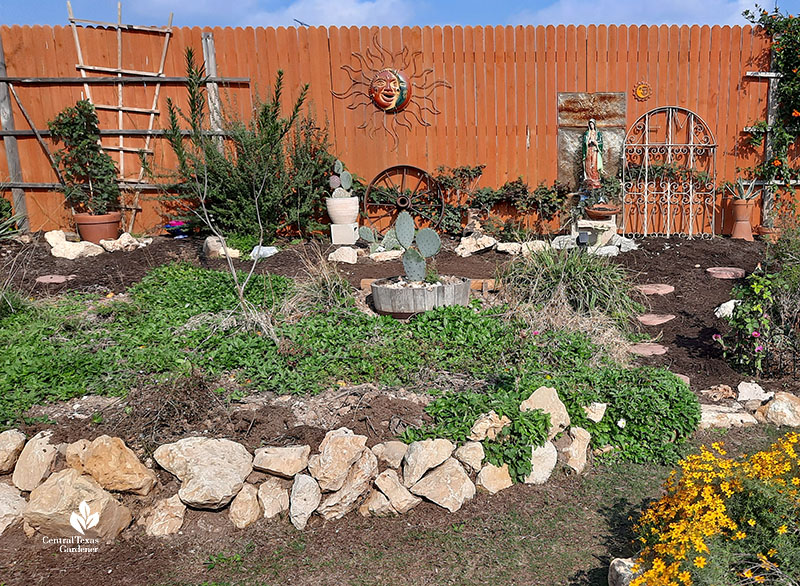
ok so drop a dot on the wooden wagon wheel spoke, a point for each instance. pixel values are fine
(391, 189)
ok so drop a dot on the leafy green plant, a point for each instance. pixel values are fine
(89, 173)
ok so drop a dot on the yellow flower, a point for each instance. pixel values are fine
(772, 552)
(700, 562)
(685, 577)
(782, 529)
(751, 522)
(740, 535)
(748, 573)
(759, 579)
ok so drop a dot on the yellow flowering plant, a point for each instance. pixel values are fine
(725, 521)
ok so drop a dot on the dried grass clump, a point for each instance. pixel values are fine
(321, 288)
(558, 314)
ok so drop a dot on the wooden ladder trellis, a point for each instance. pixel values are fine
(120, 107)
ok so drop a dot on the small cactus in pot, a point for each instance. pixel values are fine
(342, 204)
(341, 181)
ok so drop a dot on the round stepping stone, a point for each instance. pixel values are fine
(648, 349)
(655, 319)
(655, 289)
(51, 279)
(725, 272)
(683, 377)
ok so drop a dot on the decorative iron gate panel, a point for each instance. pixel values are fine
(669, 175)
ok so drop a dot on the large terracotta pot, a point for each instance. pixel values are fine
(768, 234)
(742, 210)
(342, 210)
(602, 211)
(402, 302)
(95, 228)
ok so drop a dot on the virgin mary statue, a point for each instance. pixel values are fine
(592, 156)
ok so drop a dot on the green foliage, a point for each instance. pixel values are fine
(589, 283)
(271, 168)
(767, 318)
(454, 414)
(90, 176)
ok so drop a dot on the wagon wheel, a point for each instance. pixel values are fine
(403, 188)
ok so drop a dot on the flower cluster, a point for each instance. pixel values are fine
(725, 518)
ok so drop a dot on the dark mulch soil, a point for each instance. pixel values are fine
(355, 550)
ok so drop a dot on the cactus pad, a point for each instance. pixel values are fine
(404, 229)
(341, 192)
(367, 234)
(390, 241)
(338, 167)
(428, 242)
(414, 265)
(347, 179)
(334, 181)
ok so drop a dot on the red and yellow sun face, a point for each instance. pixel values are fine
(379, 81)
(390, 90)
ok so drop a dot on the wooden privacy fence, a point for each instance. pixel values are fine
(500, 108)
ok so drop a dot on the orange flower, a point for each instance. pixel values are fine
(776, 163)
(795, 113)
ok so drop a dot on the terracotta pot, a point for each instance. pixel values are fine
(342, 210)
(95, 228)
(403, 302)
(742, 210)
(602, 211)
(768, 234)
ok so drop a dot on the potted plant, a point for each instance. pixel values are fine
(742, 195)
(89, 174)
(602, 203)
(342, 205)
(420, 290)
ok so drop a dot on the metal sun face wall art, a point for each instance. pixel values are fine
(379, 81)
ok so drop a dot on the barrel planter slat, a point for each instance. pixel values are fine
(402, 302)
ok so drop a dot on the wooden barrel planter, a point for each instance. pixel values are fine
(398, 298)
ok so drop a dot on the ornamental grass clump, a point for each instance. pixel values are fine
(725, 521)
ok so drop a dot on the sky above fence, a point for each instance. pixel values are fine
(387, 12)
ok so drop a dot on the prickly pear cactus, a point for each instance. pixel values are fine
(338, 167)
(346, 179)
(428, 242)
(368, 234)
(415, 265)
(341, 182)
(404, 229)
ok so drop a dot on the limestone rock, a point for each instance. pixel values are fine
(304, 500)
(263, 252)
(338, 451)
(473, 243)
(358, 481)
(543, 462)
(211, 471)
(212, 248)
(55, 237)
(424, 455)
(512, 248)
(471, 454)
(386, 255)
(494, 479)
(725, 310)
(565, 242)
(377, 505)
(345, 254)
(784, 409)
(73, 250)
(399, 496)
(605, 251)
(546, 399)
(273, 497)
(623, 243)
(620, 572)
(595, 411)
(390, 453)
(723, 416)
(35, 462)
(488, 426)
(576, 451)
(53, 503)
(166, 518)
(447, 485)
(533, 246)
(285, 462)
(76, 454)
(245, 509)
(125, 243)
(11, 443)
(751, 391)
(12, 505)
(115, 467)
